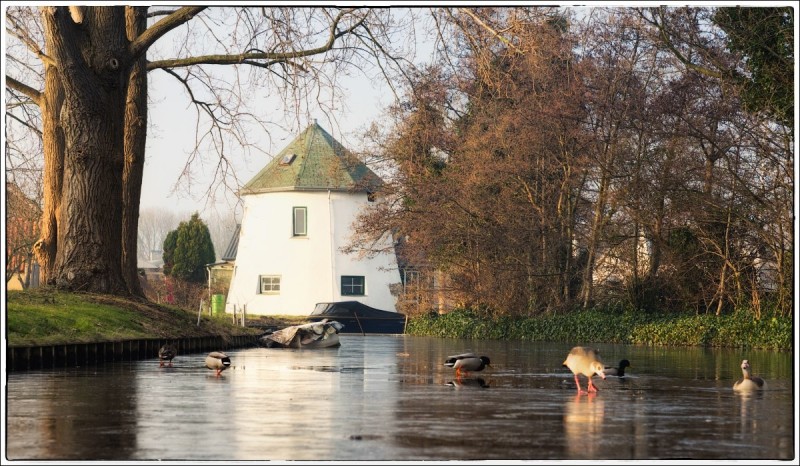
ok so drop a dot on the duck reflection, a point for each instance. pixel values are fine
(583, 423)
(468, 382)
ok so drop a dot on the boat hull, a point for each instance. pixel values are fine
(359, 318)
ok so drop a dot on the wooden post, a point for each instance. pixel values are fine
(199, 311)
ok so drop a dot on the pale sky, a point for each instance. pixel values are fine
(171, 136)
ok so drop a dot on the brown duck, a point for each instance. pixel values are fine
(166, 354)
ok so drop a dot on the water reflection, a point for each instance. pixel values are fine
(391, 398)
(583, 423)
(748, 424)
(468, 382)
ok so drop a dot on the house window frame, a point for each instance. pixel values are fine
(273, 287)
(352, 287)
(296, 232)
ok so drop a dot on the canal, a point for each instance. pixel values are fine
(390, 398)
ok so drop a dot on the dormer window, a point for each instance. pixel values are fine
(288, 159)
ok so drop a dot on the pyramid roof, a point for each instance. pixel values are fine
(314, 160)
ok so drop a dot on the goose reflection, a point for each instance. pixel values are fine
(583, 425)
(748, 420)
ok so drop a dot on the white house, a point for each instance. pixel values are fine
(298, 213)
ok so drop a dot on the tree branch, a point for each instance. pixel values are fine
(667, 41)
(163, 26)
(30, 43)
(32, 93)
(248, 58)
(489, 28)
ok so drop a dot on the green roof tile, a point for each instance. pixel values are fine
(320, 162)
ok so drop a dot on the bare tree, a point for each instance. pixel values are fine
(84, 68)
(484, 151)
(542, 157)
(154, 224)
(221, 226)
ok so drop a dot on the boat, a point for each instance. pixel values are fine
(322, 334)
(358, 318)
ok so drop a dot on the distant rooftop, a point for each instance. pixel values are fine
(233, 245)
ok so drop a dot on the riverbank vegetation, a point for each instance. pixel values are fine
(738, 330)
(46, 317)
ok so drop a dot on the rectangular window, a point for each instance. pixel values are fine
(299, 222)
(352, 285)
(270, 284)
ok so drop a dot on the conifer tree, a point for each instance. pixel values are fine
(193, 250)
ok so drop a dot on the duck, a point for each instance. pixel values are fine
(618, 371)
(467, 362)
(219, 361)
(586, 361)
(749, 381)
(166, 353)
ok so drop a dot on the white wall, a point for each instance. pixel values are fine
(310, 267)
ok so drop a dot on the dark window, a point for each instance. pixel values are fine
(352, 285)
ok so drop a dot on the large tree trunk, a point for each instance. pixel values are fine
(53, 137)
(135, 138)
(90, 51)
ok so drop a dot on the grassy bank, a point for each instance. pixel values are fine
(46, 317)
(738, 331)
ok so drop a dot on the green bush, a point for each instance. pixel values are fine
(597, 325)
(188, 250)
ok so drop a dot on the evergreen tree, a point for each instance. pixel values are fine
(765, 37)
(193, 249)
(169, 251)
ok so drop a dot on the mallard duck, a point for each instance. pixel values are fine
(219, 361)
(586, 361)
(467, 362)
(749, 381)
(166, 353)
(617, 371)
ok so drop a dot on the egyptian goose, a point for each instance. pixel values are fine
(166, 353)
(749, 381)
(467, 362)
(586, 361)
(219, 361)
(617, 371)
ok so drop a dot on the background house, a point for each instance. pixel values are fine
(221, 272)
(298, 213)
(22, 231)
